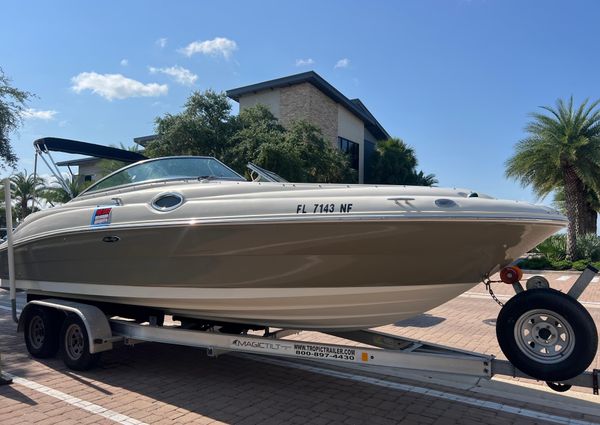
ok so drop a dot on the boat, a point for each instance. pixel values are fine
(190, 237)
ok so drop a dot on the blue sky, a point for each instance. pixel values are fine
(455, 79)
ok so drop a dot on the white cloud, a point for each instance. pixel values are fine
(180, 74)
(304, 62)
(161, 42)
(115, 86)
(124, 62)
(36, 114)
(342, 63)
(215, 47)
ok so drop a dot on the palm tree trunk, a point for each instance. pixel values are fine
(23, 208)
(591, 225)
(576, 211)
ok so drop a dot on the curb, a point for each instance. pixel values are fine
(577, 272)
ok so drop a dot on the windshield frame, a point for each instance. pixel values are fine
(269, 175)
(91, 189)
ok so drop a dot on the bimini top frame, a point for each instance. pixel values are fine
(47, 144)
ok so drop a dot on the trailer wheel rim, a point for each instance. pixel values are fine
(74, 342)
(37, 332)
(544, 336)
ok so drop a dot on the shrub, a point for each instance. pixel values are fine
(580, 264)
(588, 246)
(536, 263)
(561, 265)
(554, 248)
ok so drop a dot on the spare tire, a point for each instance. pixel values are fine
(546, 334)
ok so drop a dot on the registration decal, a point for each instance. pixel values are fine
(101, 216)
(326, 208)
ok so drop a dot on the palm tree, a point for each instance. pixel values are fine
(592, 206)
(59, 195)
(422, 179)
(25, 189)
(107, 166)
(562, 149)
(393, 162)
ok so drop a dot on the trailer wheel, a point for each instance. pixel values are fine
(547, 334)
(559, 387)
(41, 332)
(75, 345)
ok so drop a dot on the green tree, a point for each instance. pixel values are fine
(592, 207)
(26, 189)
(12, 106)
(561, 150)
(107, 166)
(3, 216)
(253, 128)
(202, 128)
(59, 195)
(422, 179)
(298, 153)
(394, 162)
(320, 162)
(206, 127)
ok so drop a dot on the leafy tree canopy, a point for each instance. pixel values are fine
(394, 162)
(203, 128)
(12, 106)
(25, 191)
(56, 194)
(206, 127)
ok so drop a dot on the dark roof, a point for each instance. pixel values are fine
(357, 108)
(144, 140)
(84, 148)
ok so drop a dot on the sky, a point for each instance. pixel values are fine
(455, 79)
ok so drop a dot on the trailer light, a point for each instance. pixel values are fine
(511, 275)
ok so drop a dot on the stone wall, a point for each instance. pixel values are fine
(306, 102)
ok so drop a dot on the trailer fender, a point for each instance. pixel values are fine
(97, 326)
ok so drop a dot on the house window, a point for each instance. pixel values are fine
(351, 148)
(87, 178)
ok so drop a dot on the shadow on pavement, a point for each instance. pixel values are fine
(421, 321)
(9, 391)
(489, 322)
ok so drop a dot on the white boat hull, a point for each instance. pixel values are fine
(295, 308)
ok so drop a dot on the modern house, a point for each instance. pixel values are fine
(347, 123)
(89, 169)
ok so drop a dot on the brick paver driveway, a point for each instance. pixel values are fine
(154, 383)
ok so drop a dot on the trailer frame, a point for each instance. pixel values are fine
(379, 349)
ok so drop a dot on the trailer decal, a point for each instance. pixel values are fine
(325, 352)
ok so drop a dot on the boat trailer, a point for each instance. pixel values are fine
(99, 333)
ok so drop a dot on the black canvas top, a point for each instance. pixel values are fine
(84, 148)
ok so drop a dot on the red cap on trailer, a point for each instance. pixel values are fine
(511, 275)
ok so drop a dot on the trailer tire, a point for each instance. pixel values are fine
(75, 346)
(546, 334)
(41, 330)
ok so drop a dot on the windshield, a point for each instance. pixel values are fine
(172, 168)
